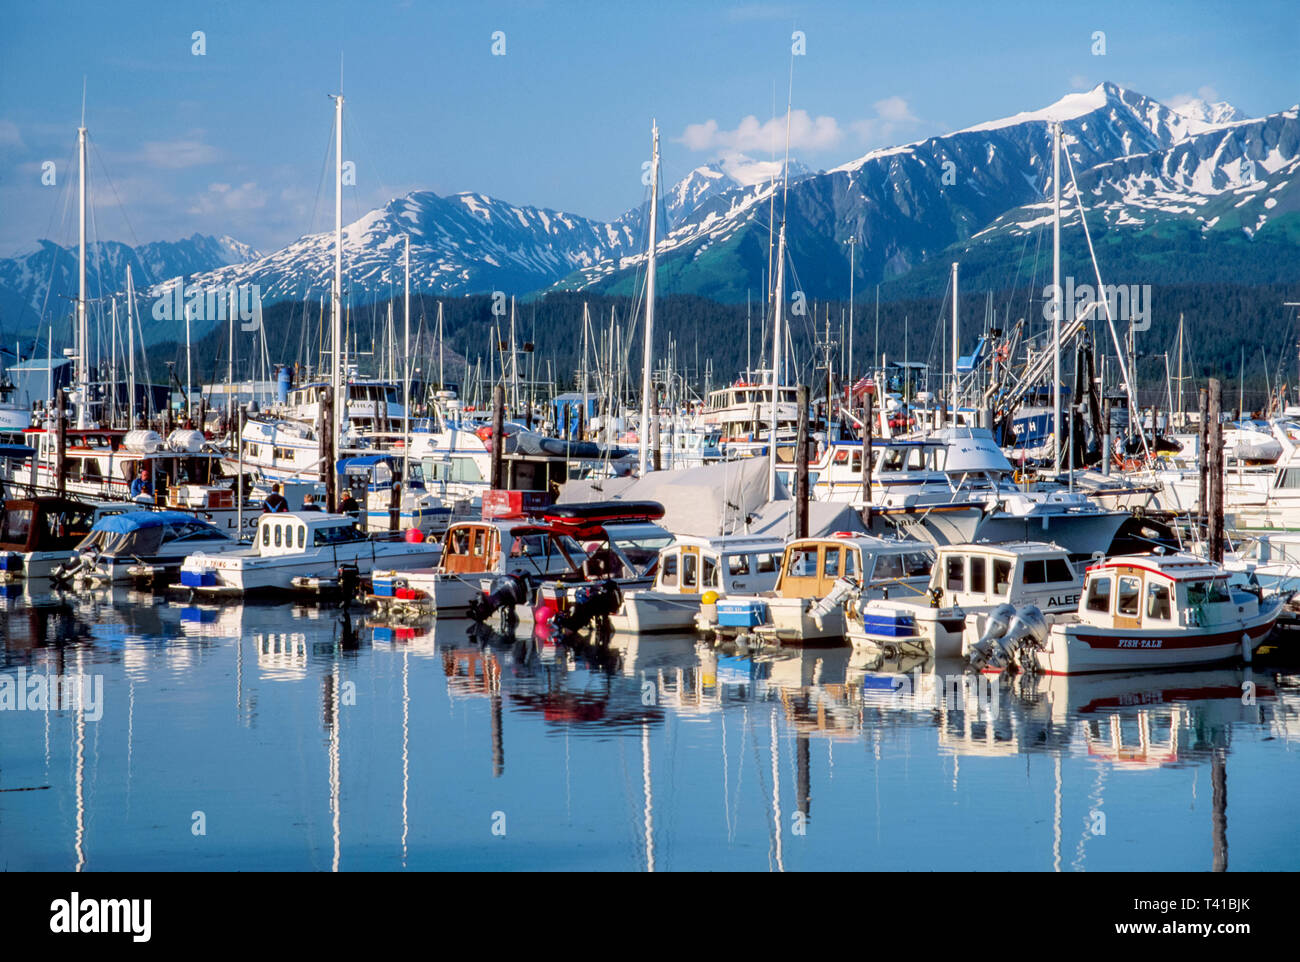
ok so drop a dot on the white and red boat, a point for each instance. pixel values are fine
(1139, 612)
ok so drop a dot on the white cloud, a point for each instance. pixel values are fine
(807, 134)
(188, 151)
(223, 198)
(9, 135)
(893, 119)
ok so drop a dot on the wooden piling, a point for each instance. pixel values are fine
(868, 435)
(498, 436)
(1203, 446)
(325, 428)
(1215, 464)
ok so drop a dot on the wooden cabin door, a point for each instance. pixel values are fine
(1128, 599)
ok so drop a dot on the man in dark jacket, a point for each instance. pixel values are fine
(275, 501)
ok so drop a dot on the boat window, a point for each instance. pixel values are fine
(1158, 601)
(302, 536)
(765, 563)
(856, 466)
(892, 459)
(831, 568)
(915, 459)
(279, 534)
(917, 564)
(940, 458)
(17, 522)
(1289, 478)
(956, 570)
(1129, 589)
(689, 570)
(1099, 595)
(1001, 576)
(710, 573)
(850, 562)
(668, 577)
(1058, 569)
(478, 543)
(1207, 592)
(888, 567)
(1036, 572)
(803, 563)
(738, 564)
(266, 535)
(979, 572)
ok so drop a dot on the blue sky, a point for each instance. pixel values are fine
(236, 141)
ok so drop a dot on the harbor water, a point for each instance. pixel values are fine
(275, 736)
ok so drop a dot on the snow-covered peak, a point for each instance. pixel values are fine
(1211, 115)
(1067, 108)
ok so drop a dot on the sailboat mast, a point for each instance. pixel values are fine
(777, 304)
(647, 361)
(406, 355)
(956, 377)
(1058, 306)
(83, 339)
(340, 401)
(130, 349)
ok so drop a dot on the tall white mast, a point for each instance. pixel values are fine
(130, 349)
(189, 370)
(337, 380)
(83, 339)
(956, 377)
(406, 356)
(778, 305)
(1058, 305)
(647, 362)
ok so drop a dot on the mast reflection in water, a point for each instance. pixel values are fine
(313, 739)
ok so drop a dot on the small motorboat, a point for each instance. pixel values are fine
(1137, 612)
(38, 535)
(120, 547)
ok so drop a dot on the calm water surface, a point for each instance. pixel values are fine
(279, 737)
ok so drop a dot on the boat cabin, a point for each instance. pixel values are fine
(287, 532)
(143, 534)
(693, 565)
(619, 539)
(811, 566)
(50, 524)
(1160, 591)
(476, 547)
(1020, 573)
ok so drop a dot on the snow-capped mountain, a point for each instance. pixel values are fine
(1139, 163)
(35, 287)
(906, 204)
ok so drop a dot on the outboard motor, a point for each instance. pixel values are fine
(999, 621)
(349, 577)
(82, 562)
(838, 594)
(1028, 629)
(506, 591)
(599, 600)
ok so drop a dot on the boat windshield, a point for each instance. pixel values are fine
(1207, 592)
(642, 551)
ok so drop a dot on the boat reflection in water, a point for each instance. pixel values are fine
(314, 738)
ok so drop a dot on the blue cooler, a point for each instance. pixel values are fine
(386, 587)
(741, 614)
(890, 624)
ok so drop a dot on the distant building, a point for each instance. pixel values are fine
(37, 379)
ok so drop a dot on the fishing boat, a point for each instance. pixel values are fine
(39, 535)
(120, 547)
(815, 577)
(692, 568)
(474, 552)
(290, 546)
(968, 584)
(1144, 612)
